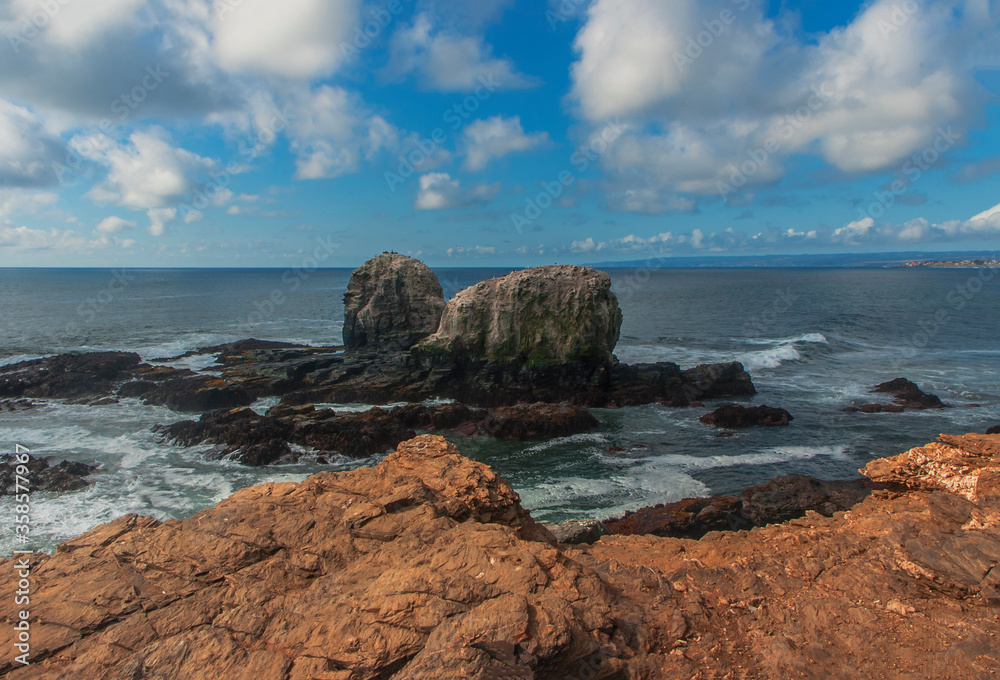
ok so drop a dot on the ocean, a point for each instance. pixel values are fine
(814, 340)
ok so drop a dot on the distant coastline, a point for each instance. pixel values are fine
(956, 264)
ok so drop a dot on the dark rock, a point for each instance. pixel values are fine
(353, 434)
(711, 381)
(444, 416)
(246, 436)
(68, 376)
(10, 405)
(577, 531)
(203, 393)
(392, 302)
(993, 430)
(44, 477)
(534, 421)
(735, 416)
(542, 316)
(909, 395)
(779, 500)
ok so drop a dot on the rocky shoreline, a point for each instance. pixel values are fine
(427, 566)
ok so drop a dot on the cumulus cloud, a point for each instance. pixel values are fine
(497, 137)
(438, 191)
(715, 93)
(27, 151)
(26, 238)
(144, 172)
(331, 133)
(114, 225)
(159, 218)
(23, 202)
(449, 63)
(294, 38)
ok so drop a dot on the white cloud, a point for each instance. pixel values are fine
(25, 238)
(587, 245)
(450, 63)
(331, 133)
(987, 214)
(114, 225)
(701, 109)
(854, 232)
(497, 137)
(27, 151)
(438, 191)
(22, 202)
(293, 38)
(145, 172)
(159, 218)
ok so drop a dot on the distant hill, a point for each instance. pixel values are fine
(886, 260)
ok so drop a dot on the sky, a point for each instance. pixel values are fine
(200, 133)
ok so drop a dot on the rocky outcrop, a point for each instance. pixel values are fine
(735, 416)
(68, 376)
(250, 438)
(42, 476)
(779, 500)
(392, 302)
(426, 566)
(542, 316)
(906, 396)
(993, 430)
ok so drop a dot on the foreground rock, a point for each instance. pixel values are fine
(426, 566)
(392, 302)
(906, 396)
(551, 315)
(42, 476)
(735, 416)
(781, 499)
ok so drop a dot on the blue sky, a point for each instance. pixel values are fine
(496, 132)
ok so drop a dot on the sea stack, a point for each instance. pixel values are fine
(541, 316)
(392, 302)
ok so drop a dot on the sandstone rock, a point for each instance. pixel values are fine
(735, 416)
(541, 316)
(422, 567)
(968, 466)
(392, 302)
(426, 566)
(577, 531)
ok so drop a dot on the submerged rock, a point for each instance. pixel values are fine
(426, 566)
(541, 316)
(735, 416)
(392, 302)
(909, 395)
(537, 421)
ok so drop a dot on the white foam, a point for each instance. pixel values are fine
(769, 358)
(18, 358)
(817, 338)
(264, 404)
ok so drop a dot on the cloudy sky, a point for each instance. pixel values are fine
(487, 132)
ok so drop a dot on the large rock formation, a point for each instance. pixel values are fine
(392, 302)
(426, 566)
(541, 316)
